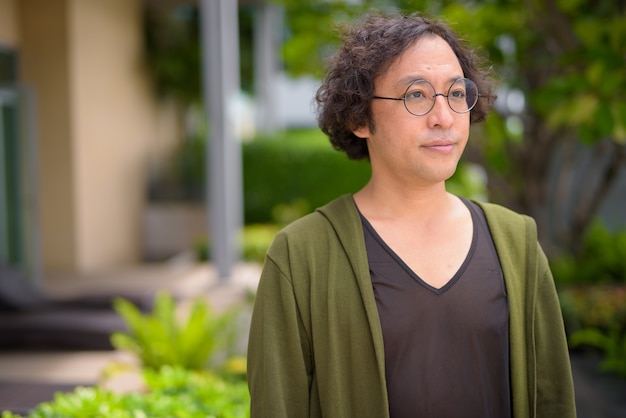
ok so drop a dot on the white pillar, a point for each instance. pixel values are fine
(220, 58)
(267, 31)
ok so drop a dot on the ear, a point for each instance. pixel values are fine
(362, 132)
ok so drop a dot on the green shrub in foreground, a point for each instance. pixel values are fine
(163, 338)
(170, 392)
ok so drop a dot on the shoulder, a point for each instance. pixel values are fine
(498, 211)
(329, 232)
(321, 226)
(330, 215)
(504, 220)
(513, 234)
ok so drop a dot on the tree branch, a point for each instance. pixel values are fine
(583, 215)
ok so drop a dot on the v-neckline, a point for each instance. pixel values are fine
(455, 277)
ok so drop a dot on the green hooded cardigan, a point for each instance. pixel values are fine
(316, 345)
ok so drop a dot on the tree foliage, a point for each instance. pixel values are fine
(173, 50)
(557, 140)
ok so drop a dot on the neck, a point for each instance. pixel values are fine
(418, 202)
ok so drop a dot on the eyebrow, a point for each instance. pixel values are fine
(411, 78)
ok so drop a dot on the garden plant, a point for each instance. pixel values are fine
(186, 366)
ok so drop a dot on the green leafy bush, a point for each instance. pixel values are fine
(161, 338)
(179, 381)
(601, 260)
(296, 167)
(592, 292)
(597, 306)
(595, 317)
(170, 392)
(257, 239)
(299, 171)
(612, 343)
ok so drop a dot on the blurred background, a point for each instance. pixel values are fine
(103, 147)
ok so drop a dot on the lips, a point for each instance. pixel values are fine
(443, 146)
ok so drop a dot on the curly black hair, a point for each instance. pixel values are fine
(369, 48)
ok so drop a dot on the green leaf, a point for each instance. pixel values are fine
(589, 336)
(170, 392)
(161, 338)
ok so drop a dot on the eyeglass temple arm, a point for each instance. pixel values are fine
(389, 98)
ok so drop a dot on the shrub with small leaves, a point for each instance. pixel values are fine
(161, 338)
(172, 392)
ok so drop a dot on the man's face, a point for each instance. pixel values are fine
(419, 150)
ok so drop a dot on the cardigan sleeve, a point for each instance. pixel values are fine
(278, 352)
(555, 388)
(541, 378)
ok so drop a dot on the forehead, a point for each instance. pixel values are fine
(429, 57)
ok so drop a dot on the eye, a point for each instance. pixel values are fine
(457, 94)
(415, 95)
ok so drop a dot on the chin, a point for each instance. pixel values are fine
(442, 176)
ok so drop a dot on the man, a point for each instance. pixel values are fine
(403, 300)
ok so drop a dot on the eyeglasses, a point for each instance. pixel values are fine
(419, 98)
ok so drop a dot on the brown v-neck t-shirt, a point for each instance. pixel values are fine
(446, 349)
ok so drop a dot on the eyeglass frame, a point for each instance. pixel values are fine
(403, 98)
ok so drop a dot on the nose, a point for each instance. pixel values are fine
(441, 113)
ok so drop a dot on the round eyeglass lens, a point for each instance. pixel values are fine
(462, 95)
(419, 97)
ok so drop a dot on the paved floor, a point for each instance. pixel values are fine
(598, 394)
